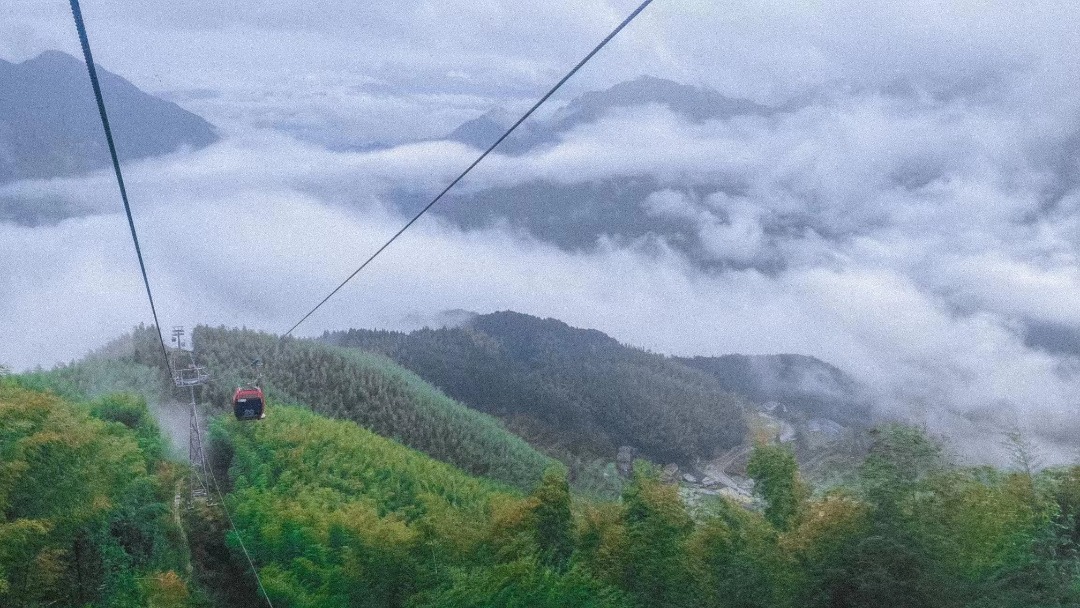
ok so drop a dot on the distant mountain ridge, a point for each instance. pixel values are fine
(581, 388)
(574, 391)
(576, 215)
(694, 103)
(800, 385)
(49, 124)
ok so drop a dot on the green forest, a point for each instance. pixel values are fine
(342, 517)
(87, 499)
(337, 502)
(373, 392)
(577, 390)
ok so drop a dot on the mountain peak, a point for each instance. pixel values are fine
(653, 86)
(52, 126)
(483, 130)
(52, 59)
(693, 102)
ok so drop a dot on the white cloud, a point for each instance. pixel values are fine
(767, 50)
(735, 235)
(919, 232)
(232, 241)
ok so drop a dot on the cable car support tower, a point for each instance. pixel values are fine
(190, 377)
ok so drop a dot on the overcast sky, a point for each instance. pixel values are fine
(932, 145)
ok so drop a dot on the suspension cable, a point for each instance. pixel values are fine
(85, 41)
(551, 92)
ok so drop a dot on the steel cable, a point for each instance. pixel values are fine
(457, 179)
(84, 40)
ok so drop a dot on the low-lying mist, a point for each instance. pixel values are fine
(923, 288)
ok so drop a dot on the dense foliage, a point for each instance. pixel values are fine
(337, 516)
(373, 392)
(342, 383)
(96, 376)
(578, 389)
(85, 500)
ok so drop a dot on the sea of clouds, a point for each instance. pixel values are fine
(918, 195)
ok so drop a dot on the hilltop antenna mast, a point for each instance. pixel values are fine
(190, 377)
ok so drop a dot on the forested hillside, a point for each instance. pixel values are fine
(373, 392)
(85, 497)
(342, 383)
(574, 388)
(342, 517)
(802, 385)
(337, 516)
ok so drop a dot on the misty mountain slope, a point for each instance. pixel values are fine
(801, 385)
(484, 130)
(733, 184)
(577, 212)
(626, 211)
(372, 392)
(568, 215)
(49, 124)
(693, 103)
(574, 389)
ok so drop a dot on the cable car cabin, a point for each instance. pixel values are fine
(249, 404)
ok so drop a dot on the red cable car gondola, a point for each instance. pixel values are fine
(249, 404)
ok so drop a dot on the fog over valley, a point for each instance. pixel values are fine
(891, 188)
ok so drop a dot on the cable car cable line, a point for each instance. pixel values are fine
(457, 179)
(596, 49)
(84, 40)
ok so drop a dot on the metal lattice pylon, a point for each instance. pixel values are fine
(191, 377)
(196, 457)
